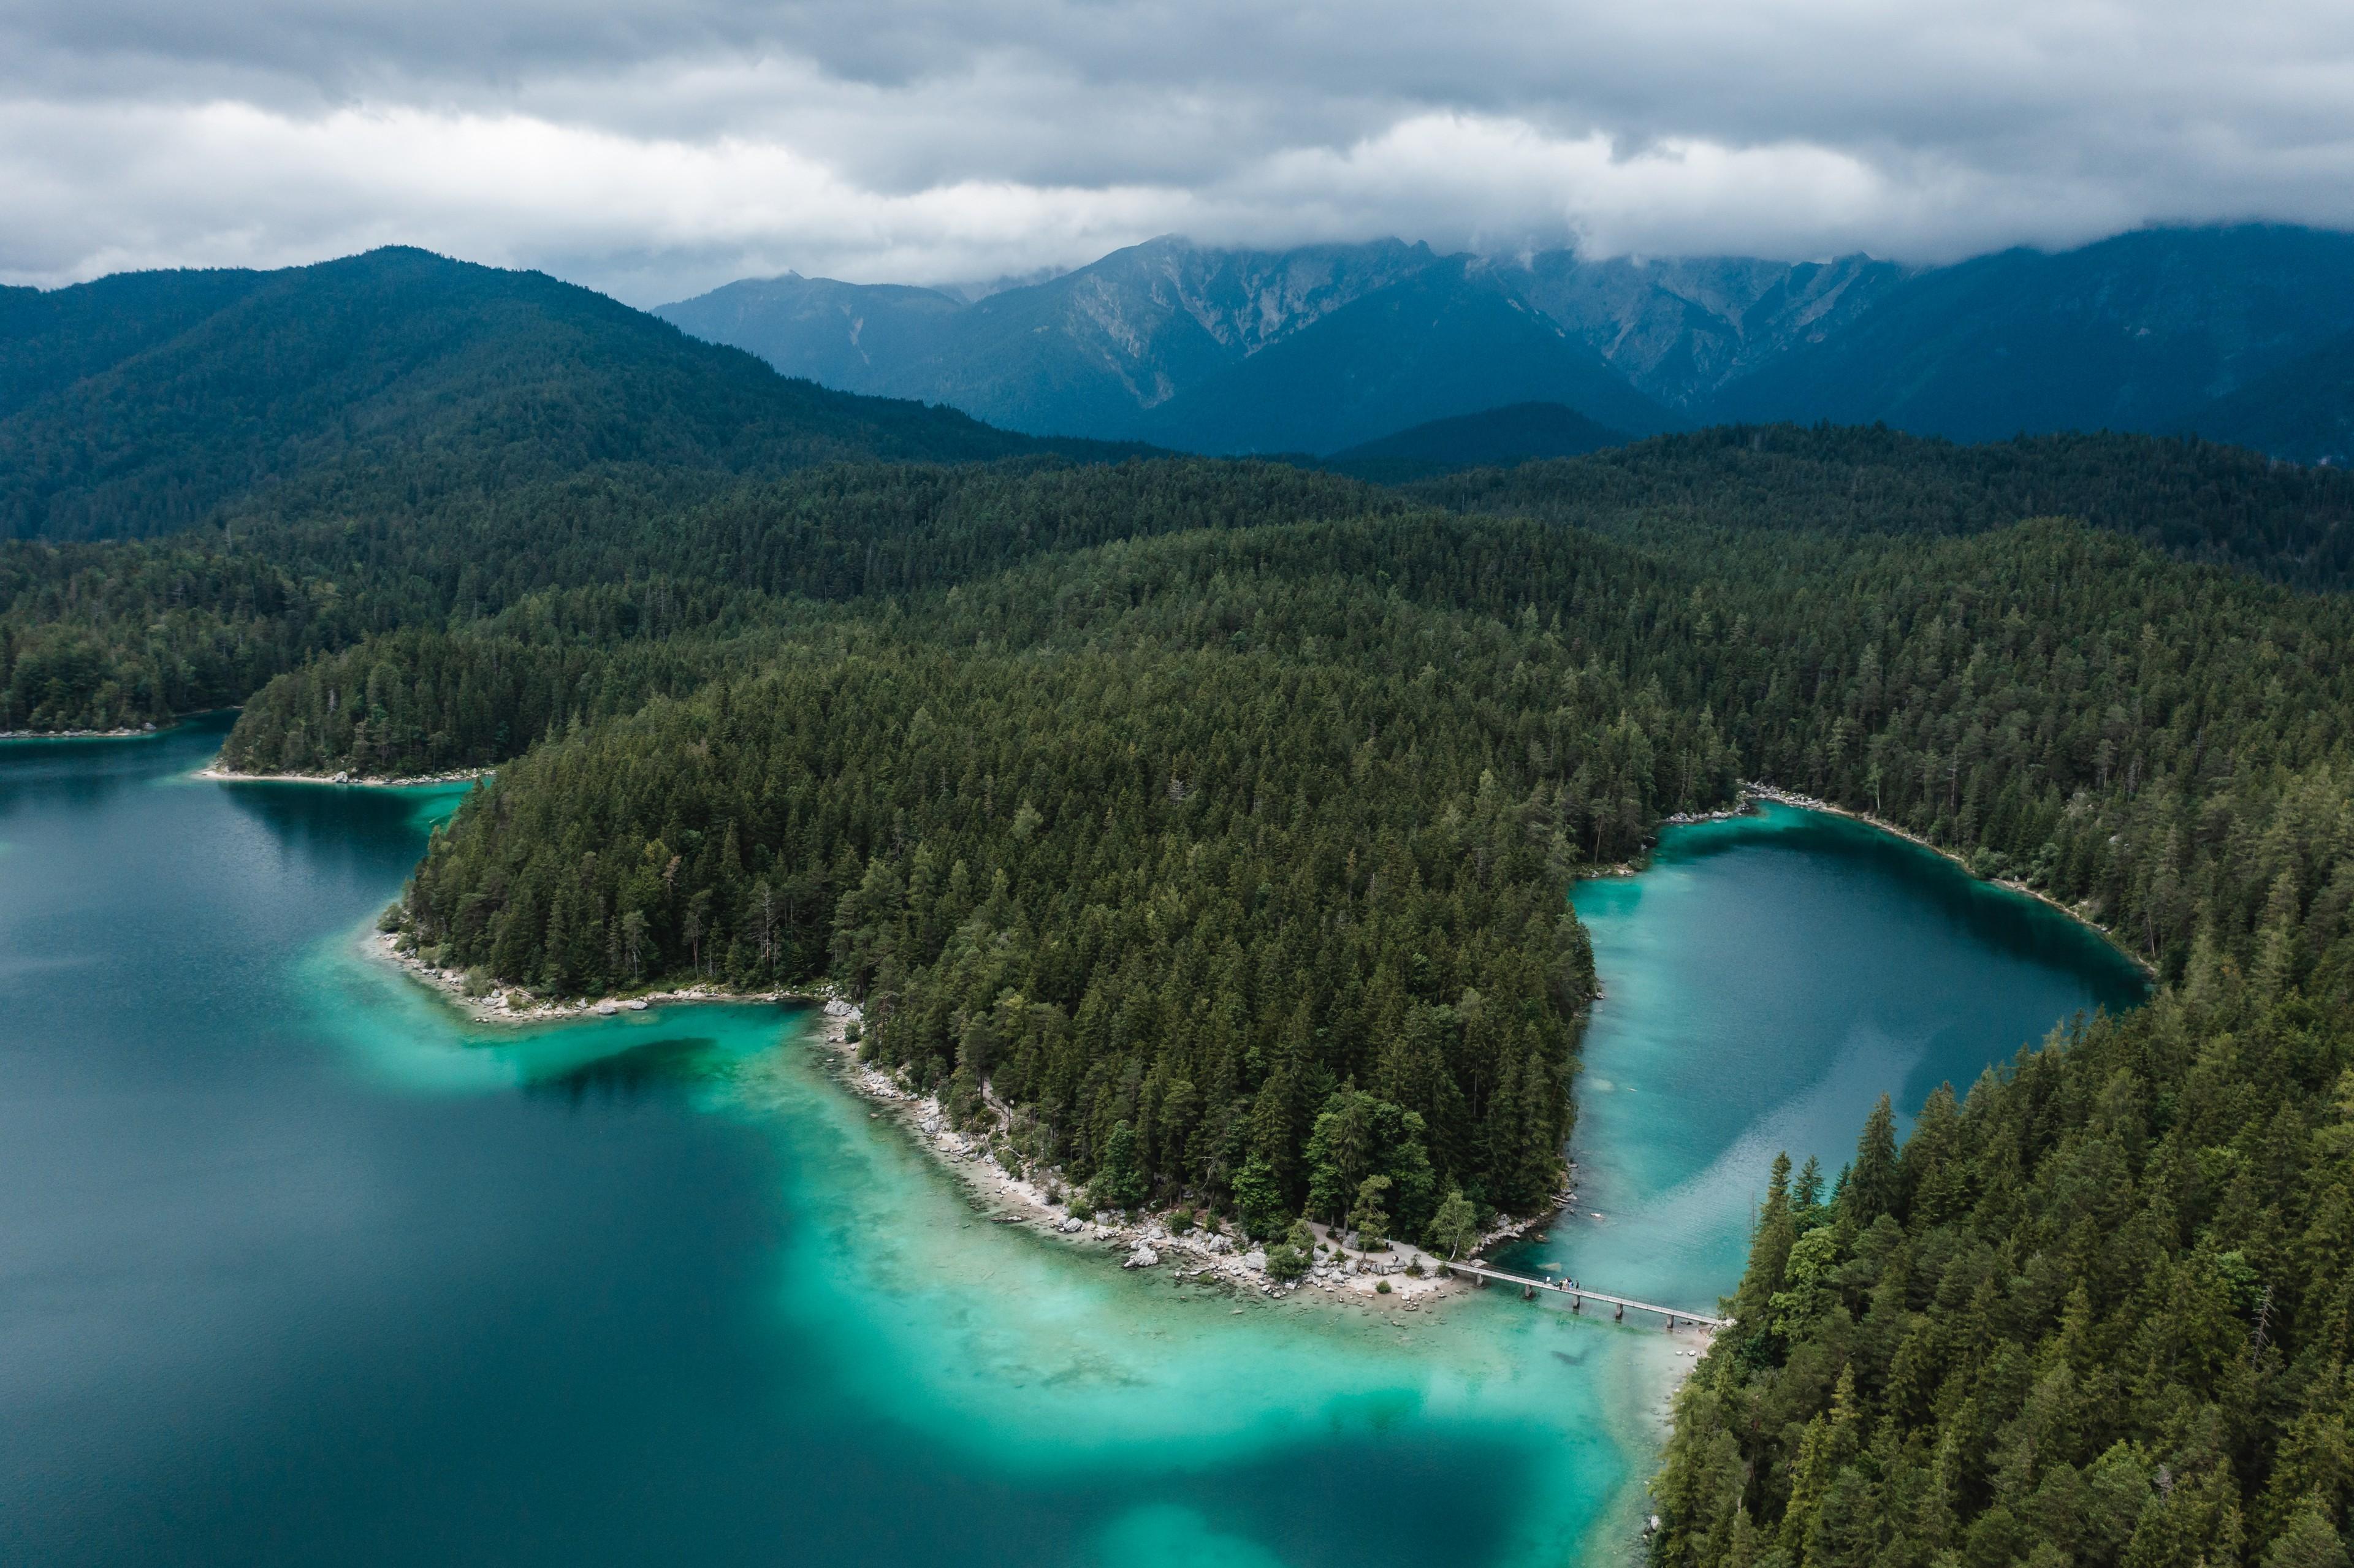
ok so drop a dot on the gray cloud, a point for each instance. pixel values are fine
(653, 149)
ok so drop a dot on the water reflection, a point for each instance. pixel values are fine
(334, 830)
(631, 1073)
(1846, 852)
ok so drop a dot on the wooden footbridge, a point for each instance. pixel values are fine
(1536, 1289)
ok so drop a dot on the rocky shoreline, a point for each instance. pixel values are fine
(389, 781)
(1146, 1240)
(140, 733)
(516, 1004)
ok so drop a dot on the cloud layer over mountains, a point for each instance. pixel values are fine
(654, 148)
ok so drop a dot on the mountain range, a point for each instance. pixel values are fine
(2244, 333)
(380, 382)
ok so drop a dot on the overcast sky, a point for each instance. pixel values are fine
(655, 148)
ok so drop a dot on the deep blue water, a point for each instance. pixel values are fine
(252, 1312)
(294, 1270)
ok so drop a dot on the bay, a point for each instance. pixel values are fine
(1767, 978)
(298, 1268)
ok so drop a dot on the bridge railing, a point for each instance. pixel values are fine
(1579, 1295)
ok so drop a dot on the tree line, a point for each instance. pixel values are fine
(2194, 500)
(97, 636)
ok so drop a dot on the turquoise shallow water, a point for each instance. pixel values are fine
(1766, 979)
(296, 1269)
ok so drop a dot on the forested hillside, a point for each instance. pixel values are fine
(147, 403)
(2097, 1312)
(2127, 735)
(103, 636)
(2191, 499)
(94, 637)
(1498, 438)
(1314, 700)
(52, 338)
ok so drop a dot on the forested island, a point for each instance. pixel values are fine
(1184, 804)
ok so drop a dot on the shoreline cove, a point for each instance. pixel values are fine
(1348, 1277)
(1756, 791)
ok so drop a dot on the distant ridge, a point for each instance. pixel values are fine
(1492, 437)
(1090, 353)
(2195, 500)
(838, 335)
(1444, 342)
(2144, 331)
(2302, 411)
(2221, 330)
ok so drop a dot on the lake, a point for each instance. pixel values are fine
(298, 1268)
